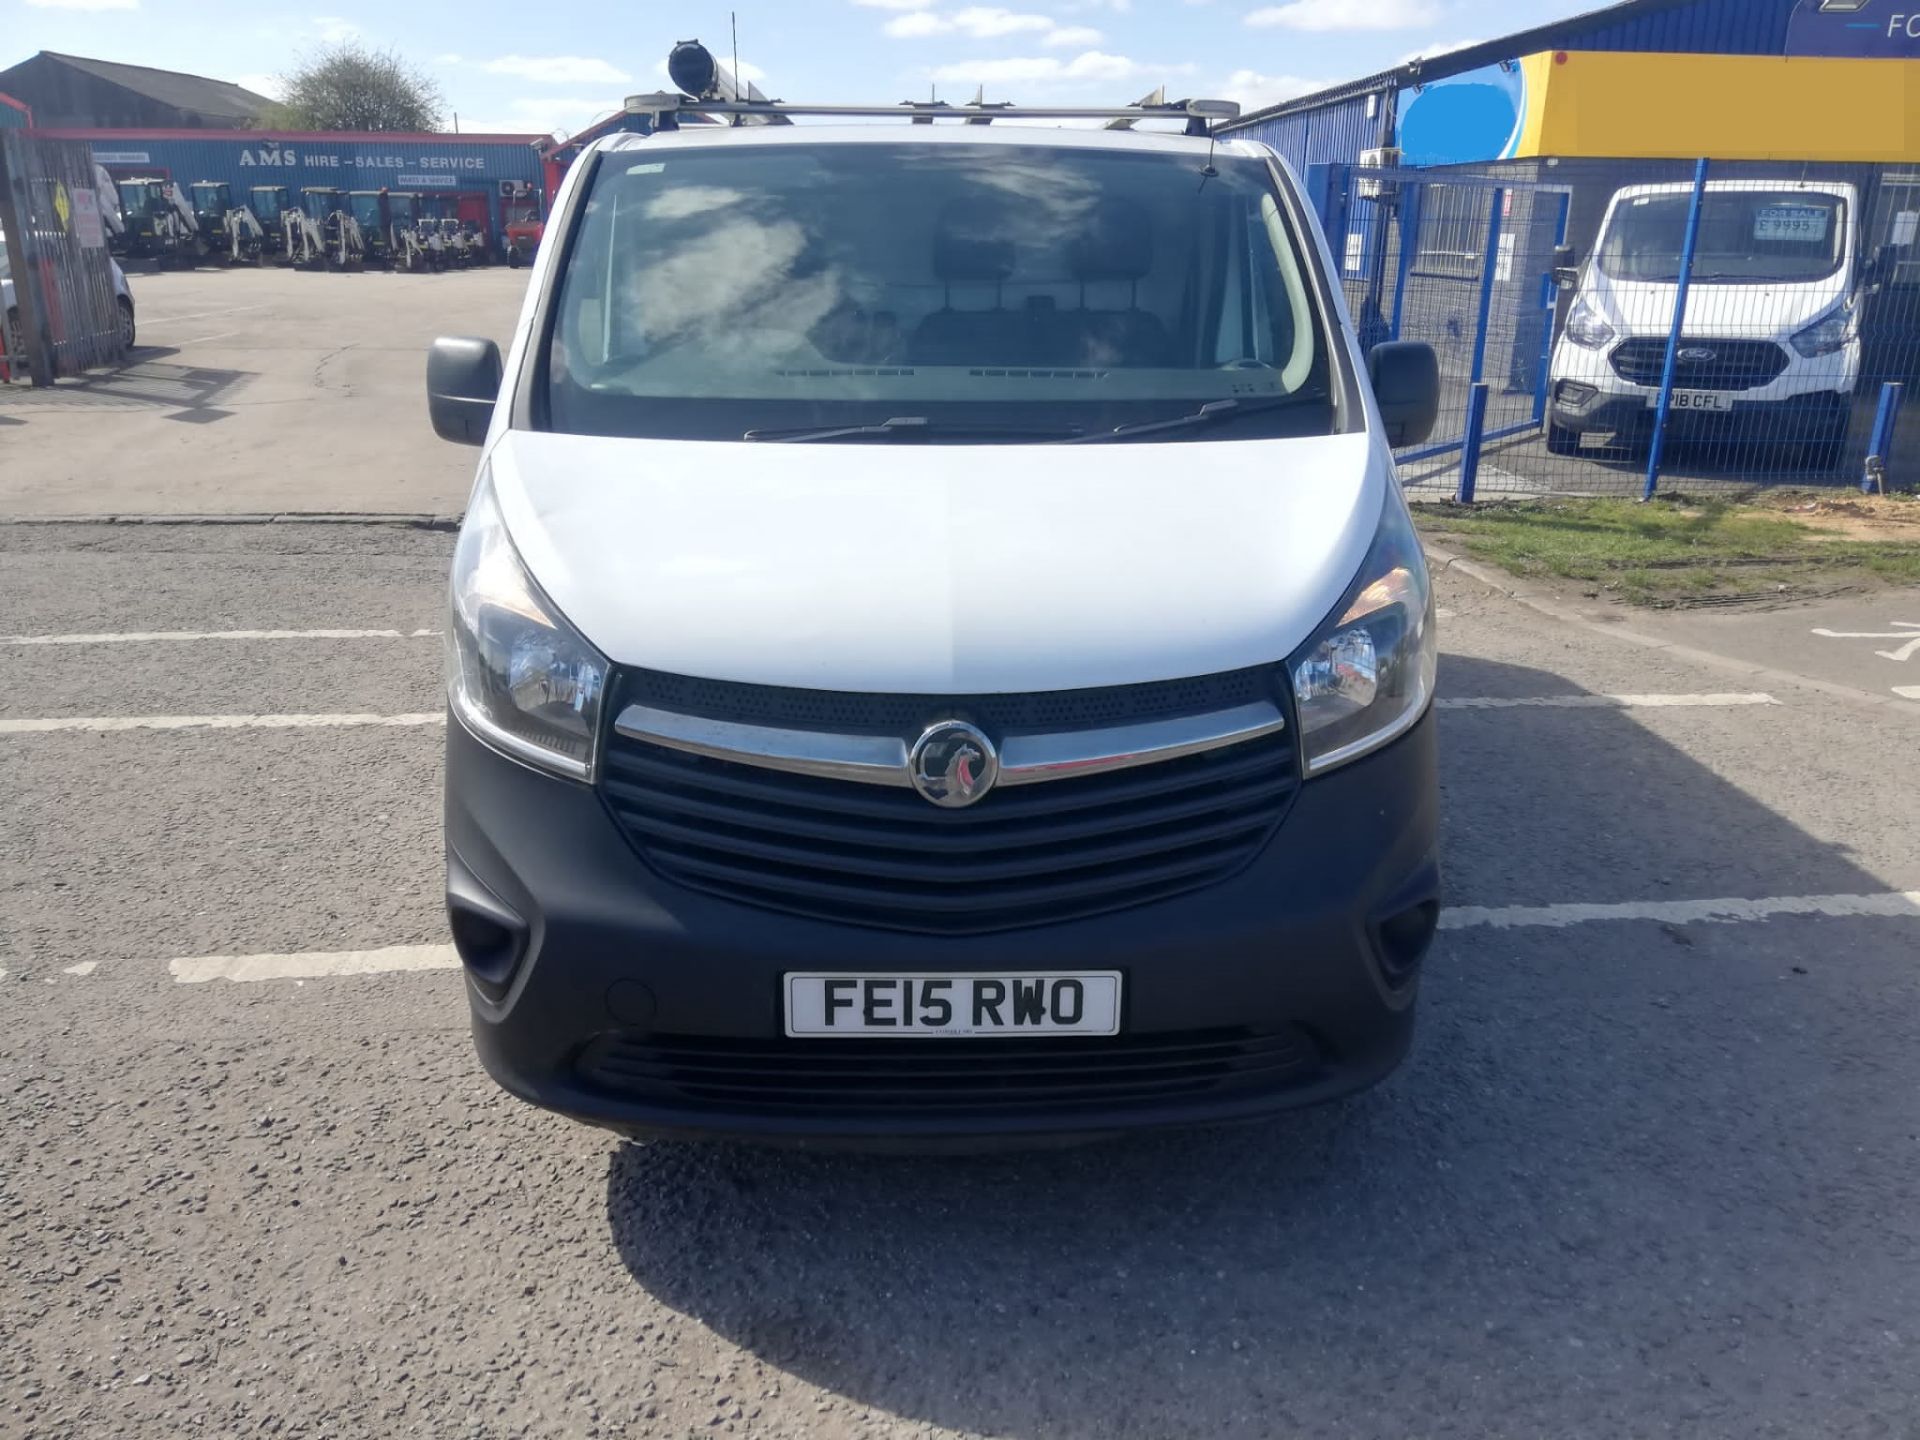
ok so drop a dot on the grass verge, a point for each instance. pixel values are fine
(1777, 547)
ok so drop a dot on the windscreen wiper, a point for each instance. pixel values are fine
(911, 427)
(1208, 413)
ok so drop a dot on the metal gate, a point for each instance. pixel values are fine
(65, 317)
(1464, 263)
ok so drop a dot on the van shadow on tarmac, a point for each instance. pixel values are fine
(1633, 1179)
(187, 393)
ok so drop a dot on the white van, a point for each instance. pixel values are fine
(1770, 350)
(937, 648)
(13, 348)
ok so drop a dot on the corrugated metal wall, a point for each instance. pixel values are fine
(1726, 27)
(1338, 131)
(431, 164)
(1336, 134)
(13, 114)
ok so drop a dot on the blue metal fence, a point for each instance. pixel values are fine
(1622, 326)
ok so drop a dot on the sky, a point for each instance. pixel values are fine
(524, 68)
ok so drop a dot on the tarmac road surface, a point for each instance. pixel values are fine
(1650, 1171)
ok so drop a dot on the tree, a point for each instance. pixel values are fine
(349, 87)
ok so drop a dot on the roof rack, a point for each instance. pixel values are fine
(667, 106)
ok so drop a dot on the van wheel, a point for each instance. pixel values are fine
(1562, 440)
(127, 332)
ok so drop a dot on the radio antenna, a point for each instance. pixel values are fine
(733, 22)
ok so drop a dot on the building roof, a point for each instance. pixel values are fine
(197, 94)
(1558, 34)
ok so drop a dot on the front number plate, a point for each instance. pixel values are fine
(1716, 400)
(1081, 1002)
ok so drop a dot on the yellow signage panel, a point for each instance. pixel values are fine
(1729, 107)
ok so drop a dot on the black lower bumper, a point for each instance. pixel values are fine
(606, 993)
(1812, 418)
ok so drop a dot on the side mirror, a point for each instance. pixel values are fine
(1566, 267)
(463, 381)
(1406, 383)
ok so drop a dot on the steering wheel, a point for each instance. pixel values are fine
(1246, 362)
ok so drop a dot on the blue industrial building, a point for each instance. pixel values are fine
(1410, 109)
(487, 178)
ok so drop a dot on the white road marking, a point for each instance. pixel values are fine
(1679, 912)
(141, 637)
(1603, 702)
(84, 968)
(203, 339)
(1907, 692)
(213, 722)
(198, 314)
(1905, 630)
(314, 964)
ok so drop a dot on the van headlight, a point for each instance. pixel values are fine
(1366, 677)
(1826, 335)
(518, 675)
(1586, 326)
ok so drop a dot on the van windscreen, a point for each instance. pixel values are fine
(1746, 237)
(979, 292)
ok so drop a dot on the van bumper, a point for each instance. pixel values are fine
(1813, 417)
(608, 994)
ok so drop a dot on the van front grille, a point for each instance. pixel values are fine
(883, 857)
(851, 1078)
(1702, 364)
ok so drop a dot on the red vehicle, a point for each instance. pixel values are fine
(523, 238)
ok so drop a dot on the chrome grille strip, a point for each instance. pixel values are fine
(1026, 759)
(882, 759)
(868, 759)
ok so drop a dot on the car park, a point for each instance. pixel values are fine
(937, 648)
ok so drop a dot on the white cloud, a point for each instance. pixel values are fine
(1347, 14)
(989, 22)
(976, 22)
(916, 24)
(539, 115)
(334, 30)
(1255, 91)
(1437, 49)
(894, 4)
(452, 57)
(1090, 65)
(985, 22)
(85, 4)
(558, 69)
(270, 86)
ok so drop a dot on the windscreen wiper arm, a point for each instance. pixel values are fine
(908, 427)
(1208, 413)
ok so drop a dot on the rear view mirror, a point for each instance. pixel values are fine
(1566, 267)
(463, 381)
(1406, 383)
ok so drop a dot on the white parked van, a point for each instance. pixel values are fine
(12, 347)
(937, 647)
(1770, 350)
